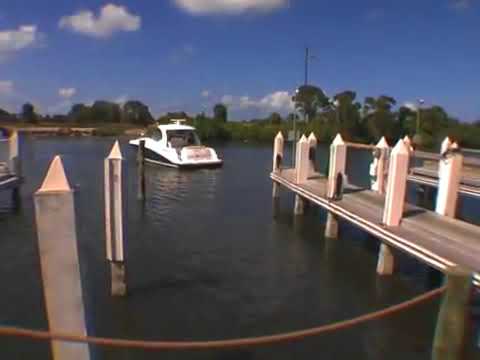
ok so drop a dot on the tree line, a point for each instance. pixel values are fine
(343, 113)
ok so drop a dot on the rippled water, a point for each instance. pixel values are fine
(206, 260)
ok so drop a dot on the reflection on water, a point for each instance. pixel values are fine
(207, 260)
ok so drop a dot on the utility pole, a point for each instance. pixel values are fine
(307, 58)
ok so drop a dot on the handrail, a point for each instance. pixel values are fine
(360, 146)
(222, 344)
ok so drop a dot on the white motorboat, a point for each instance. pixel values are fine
(177, 145)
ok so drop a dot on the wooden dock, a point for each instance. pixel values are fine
(434, 238)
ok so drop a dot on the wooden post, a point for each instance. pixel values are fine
(408, 142)
(14, 159)
(114, 220)
(331, 227)
(449, 174)
(57, 241)
(302, 161)
(450, 333)
(278, 147)
(301, 172)
(386, 260)
(312, 154)
(338, 163)
(379, 166)
(141, 170)
(397, 185)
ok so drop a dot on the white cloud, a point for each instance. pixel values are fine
(67, 93)
(15, 40)
(227, 100)
(121, 100)
(205, 93)
(112, 19)
(202, 7)
(280, 101)
(410, 105)
(461, 4)
(6, 87)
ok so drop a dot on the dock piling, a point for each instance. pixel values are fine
(301, 172)
(450, 333)
(278, 147)
(386, 260)
(141, 170)
(449, 174)
(397, 185)
(312, 153)
(57, 242)
(114, 220)
(380, 166)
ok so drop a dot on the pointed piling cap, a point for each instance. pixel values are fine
(455, 146)
(55, 181)
(312, 138)
(400, 148)
(303, 139)
(115, 153)
(407, 140)
(338, 140)
(446, 144)
(279, 136)
(382, 143)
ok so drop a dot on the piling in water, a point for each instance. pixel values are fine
(57, 242)
(114, 225)
(141, 170)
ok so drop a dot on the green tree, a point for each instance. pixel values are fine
(348, 114)
(105, 112)
(220, 112)
(275, 118)
(135, 112)
(28, 113)
(380, 120)
(309, 99)
(80, 113)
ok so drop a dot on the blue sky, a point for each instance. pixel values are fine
(190, 54)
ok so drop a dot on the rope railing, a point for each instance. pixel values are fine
(221, 344)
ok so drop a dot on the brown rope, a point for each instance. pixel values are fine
(221, 344)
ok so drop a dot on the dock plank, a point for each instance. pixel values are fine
(433, 239)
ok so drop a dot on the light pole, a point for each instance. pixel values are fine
(335, 104)
(294, 145)
(419, 109)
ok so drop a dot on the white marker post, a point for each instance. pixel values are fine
(278, 147)
(114, 220)
(408, 142)
(450, 175)
(301, 172)
(57, 242)
(379, 166)
(312, 144)
(336, 178)
(397, 185)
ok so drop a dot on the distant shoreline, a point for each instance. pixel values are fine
(75, 129)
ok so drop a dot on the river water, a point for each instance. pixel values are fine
(207, 260)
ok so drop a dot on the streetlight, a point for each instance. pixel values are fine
(417, 138)
(336, 105)
(294, 145)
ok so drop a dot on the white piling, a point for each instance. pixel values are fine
(408, 142)
(397, 185)
(331, 227)
(449, 174)
(14, 160)
(278, 148)
(114, 220)
(379, 166)
(302, 162)
(312, 145)
(57, 241)
(386, 260)
(338, 163)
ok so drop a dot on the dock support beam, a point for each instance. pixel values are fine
(386, 260)
(450, 333)
(331, 227)
(397, 185)
(141, 170)
(57, 242)
(450, 174)
(278, 148)
(114, 220)
(312, 154)
(301, 172)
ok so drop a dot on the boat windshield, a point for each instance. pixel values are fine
(181, 138)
